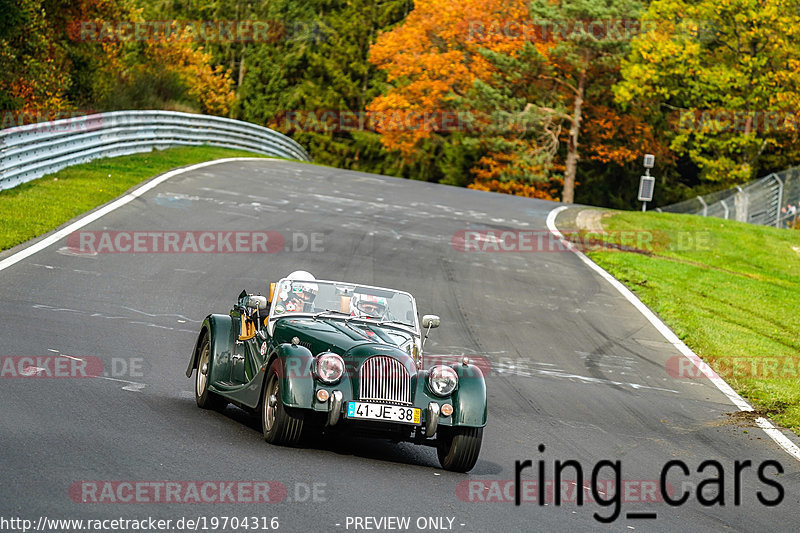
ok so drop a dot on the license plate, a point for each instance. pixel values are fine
(388, 413)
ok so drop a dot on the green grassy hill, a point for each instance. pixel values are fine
(729, 290)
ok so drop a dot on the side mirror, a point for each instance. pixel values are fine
(257, 302)
(430, 321)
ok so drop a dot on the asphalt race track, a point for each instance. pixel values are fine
(574, 367)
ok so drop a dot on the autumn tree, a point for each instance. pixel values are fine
(525, 76)
(728, 76)
(34, 76)
(51, 65)
(433, 58)
(169, 72)
(170, 66)
(319, 64)
(583, 43)
(431, 61)
(226, 52)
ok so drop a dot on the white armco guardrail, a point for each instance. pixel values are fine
(34, 150)
(770, 201)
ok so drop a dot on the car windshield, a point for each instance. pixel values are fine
(345, 300)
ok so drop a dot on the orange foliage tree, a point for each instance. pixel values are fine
(53, 65)
(434, 56)
(164, 58)
(211, 87)
(533, 91)
(33, 77)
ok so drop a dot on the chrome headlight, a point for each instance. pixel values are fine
(442, 380)
(329, 367)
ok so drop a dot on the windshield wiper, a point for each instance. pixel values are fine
(329, 311)
(396, 322)
(368, 319)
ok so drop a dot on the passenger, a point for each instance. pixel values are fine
(366, 305)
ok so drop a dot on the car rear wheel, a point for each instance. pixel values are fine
(458, 447)
(204, 397)
(281, 425)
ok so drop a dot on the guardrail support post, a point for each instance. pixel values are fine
(705, 206)
(780, 200)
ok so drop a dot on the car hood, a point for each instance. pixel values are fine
(335, 336)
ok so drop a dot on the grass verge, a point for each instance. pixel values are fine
(729, 290)
(36, 207)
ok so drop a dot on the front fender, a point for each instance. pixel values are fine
(220, 328)
(469, 399)
(294, 369)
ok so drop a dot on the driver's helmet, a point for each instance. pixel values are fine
(303, 289)
(368, 305)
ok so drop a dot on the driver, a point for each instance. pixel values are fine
(367, 305)
(299, 295)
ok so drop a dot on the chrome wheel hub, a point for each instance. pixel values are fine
(272, 405)
(202, 372)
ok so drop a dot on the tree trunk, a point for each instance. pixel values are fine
(241, 70)
(568, 192)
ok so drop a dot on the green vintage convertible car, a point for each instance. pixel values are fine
(328, 355)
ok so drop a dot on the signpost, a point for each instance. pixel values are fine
(647, 182)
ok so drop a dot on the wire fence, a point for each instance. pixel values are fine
(770, 201)
(34, 150)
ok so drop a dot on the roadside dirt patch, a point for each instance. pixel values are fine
(590, 219)
(748, 418)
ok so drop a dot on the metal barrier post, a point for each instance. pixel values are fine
(780, 200)
(705, 205)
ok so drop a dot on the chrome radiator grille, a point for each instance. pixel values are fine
(384, 379)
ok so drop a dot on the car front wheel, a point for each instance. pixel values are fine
(281, 425)
(458, 447)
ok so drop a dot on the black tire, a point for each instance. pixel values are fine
(458, 447)
(281, 425)
(205, 398)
